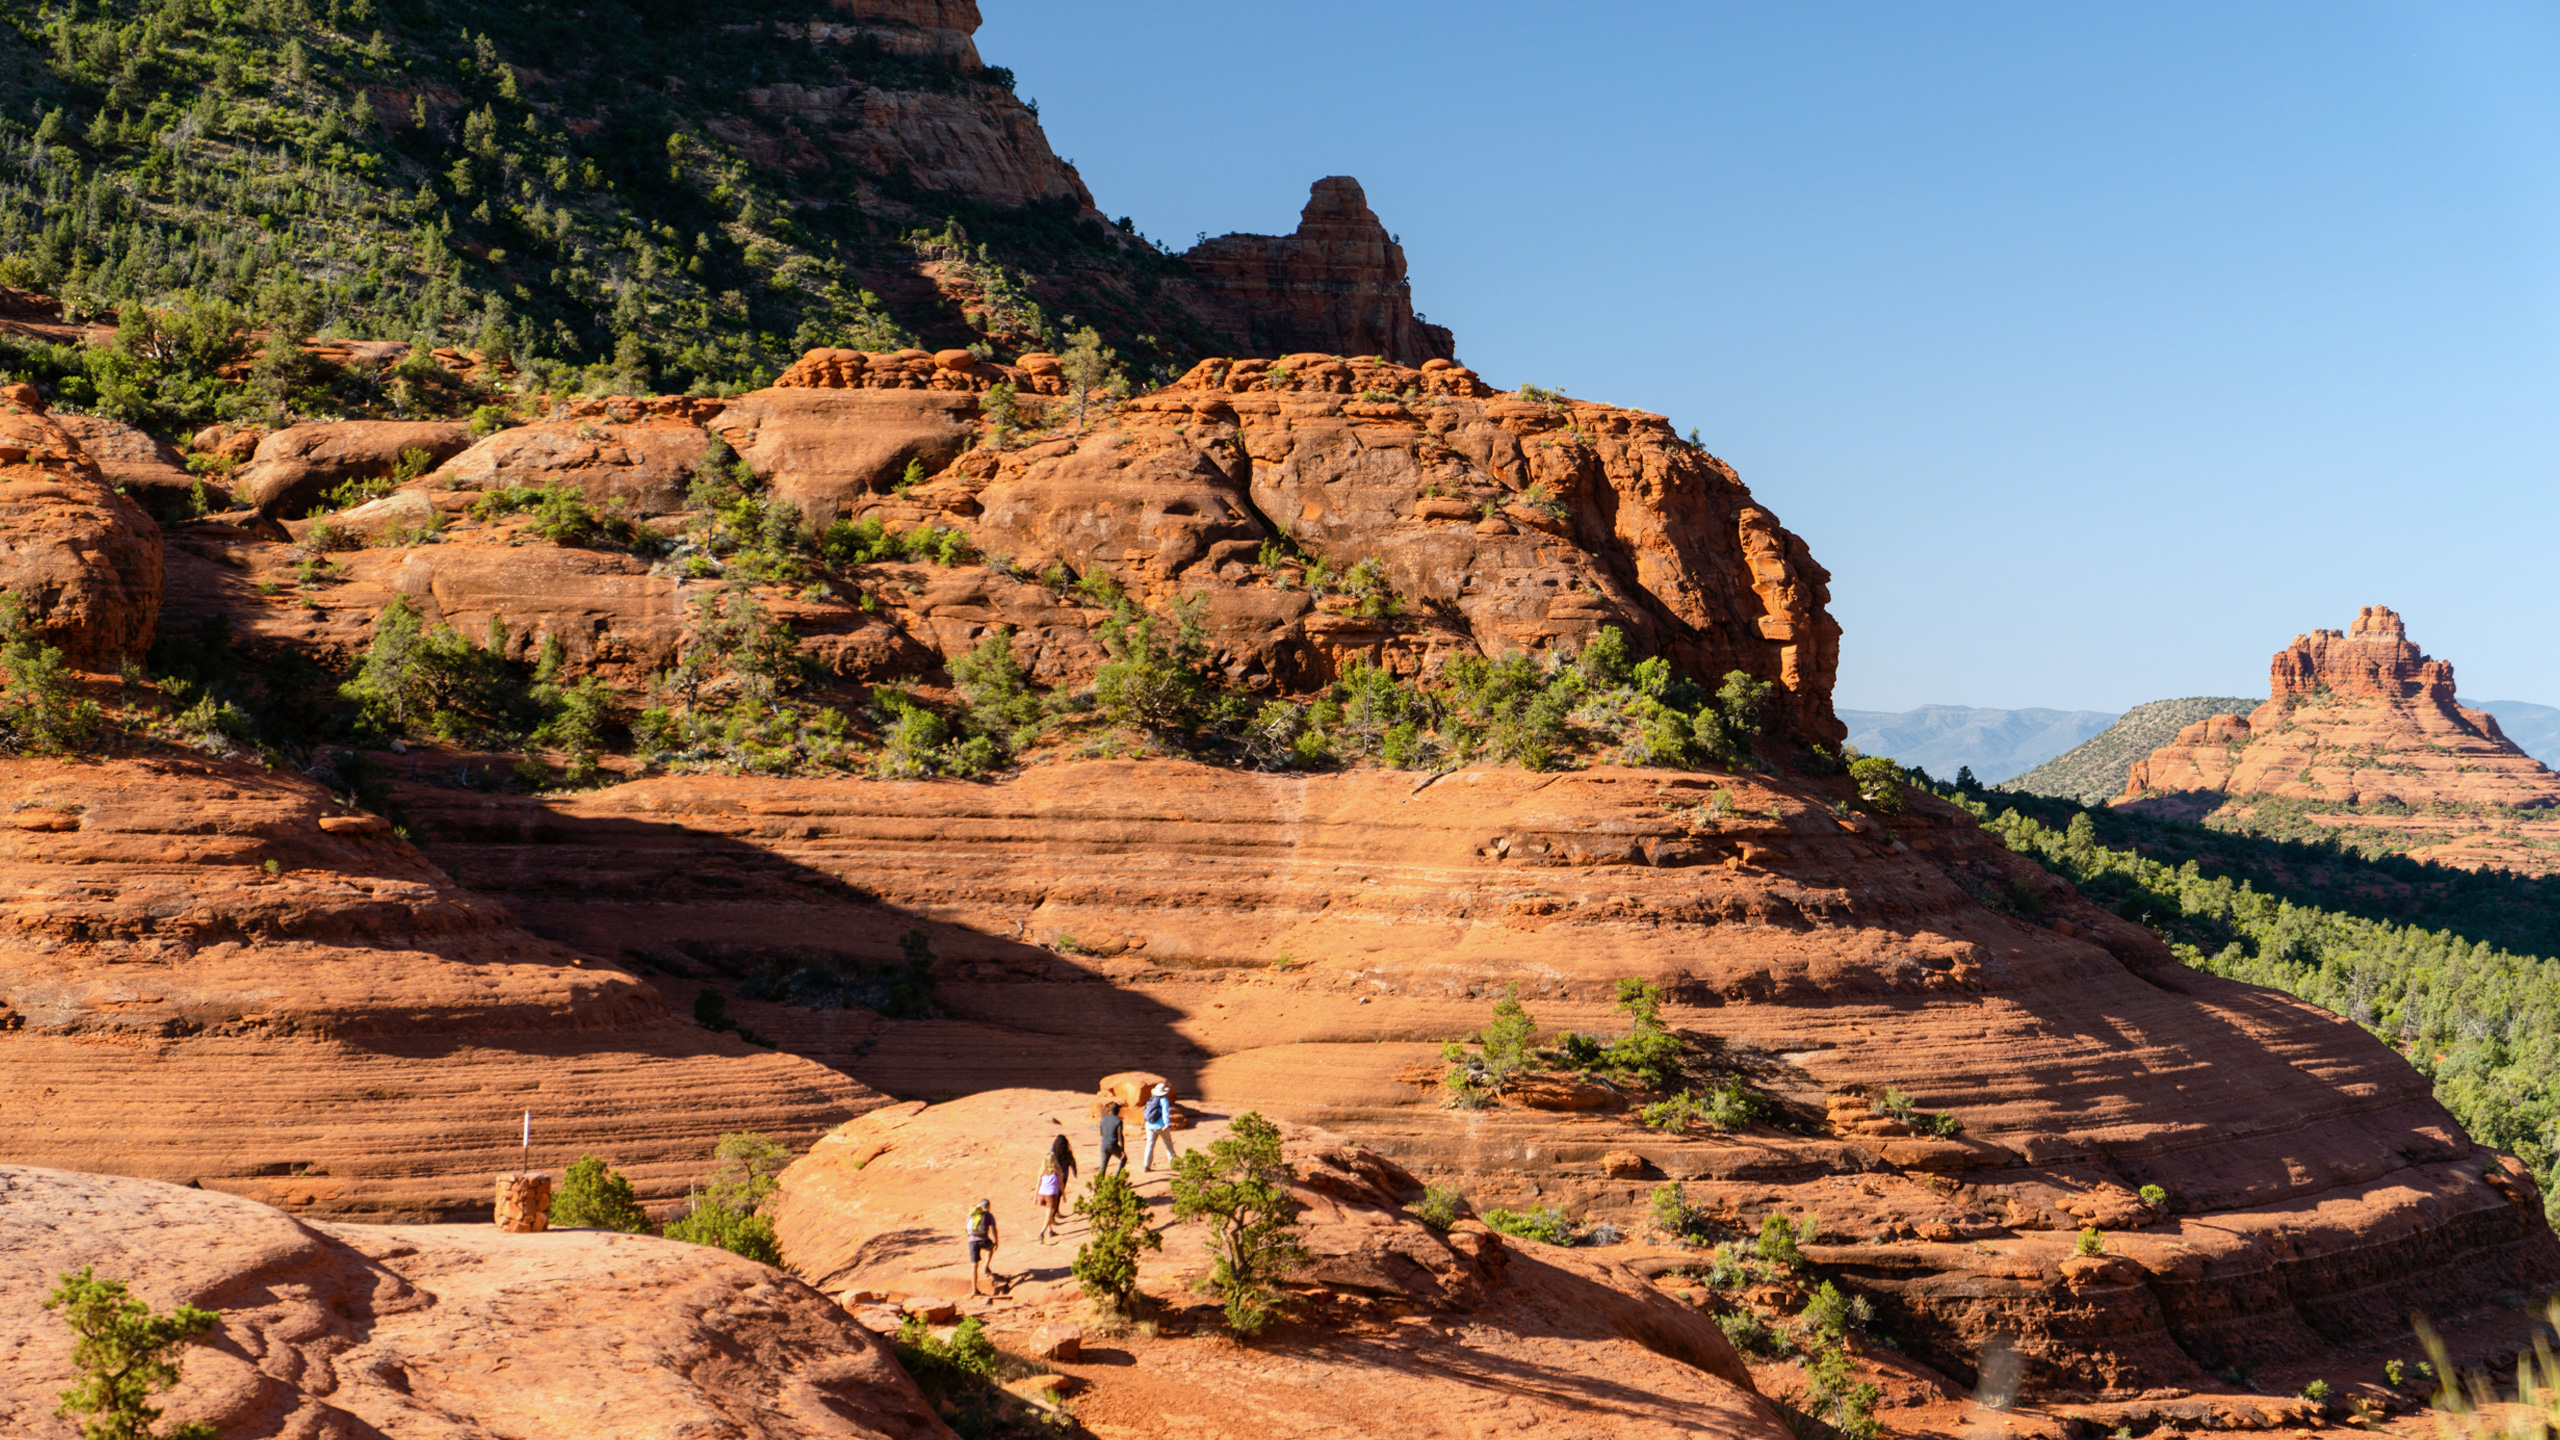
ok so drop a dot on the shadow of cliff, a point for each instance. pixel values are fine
(801, 957)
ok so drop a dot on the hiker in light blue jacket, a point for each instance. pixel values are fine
(1159, 1118)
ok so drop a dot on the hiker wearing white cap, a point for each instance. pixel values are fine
(1159, 1118)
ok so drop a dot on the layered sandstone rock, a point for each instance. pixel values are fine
(1336, 285)
(206, 982)
(2363, 729)
(82, 561)
(293, 467)
(1301, 945)
(1401, 1329)
(435, 1331)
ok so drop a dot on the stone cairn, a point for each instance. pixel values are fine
(524, 1203)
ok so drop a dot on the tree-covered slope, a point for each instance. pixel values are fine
(2457, 970)
(2095, 770)
(674, 194)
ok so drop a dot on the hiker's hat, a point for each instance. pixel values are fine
(1163, 1089)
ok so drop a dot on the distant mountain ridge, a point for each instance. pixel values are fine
(1995, 743)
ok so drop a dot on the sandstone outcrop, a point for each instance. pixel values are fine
(294, 466)
(434, 1331)
(82, 560)
(128, 459)
(1337, 285)
(2361, 730)
(1403, 1329)
(1301, 945)
(205, 983)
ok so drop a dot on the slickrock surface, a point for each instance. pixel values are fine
(1401, 1329)
(2362, 727)
(1336, 285)
(1302, 944)
(83, 561)
(439, 1332)
(345, 1033)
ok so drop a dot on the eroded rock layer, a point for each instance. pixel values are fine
(439, 1332)
(209, 974)
(1336, 285)
(2361, 728)
(1301, 945)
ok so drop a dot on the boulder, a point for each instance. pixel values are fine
(827, 450)
(84, 562)
(442, 1331)
(293, 467)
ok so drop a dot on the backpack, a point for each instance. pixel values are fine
(978, 1219)
(1159, 1113)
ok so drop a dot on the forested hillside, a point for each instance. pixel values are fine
(2453, 968)
(641, 193)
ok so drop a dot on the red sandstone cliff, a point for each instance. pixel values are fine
(2361, 728)
(1336, 285)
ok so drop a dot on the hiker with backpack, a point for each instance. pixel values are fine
(1159, 1119)
(982, 1246)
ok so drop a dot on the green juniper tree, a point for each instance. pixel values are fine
(124, 1354)
(1239, 1187)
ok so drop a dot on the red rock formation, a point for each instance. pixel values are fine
(1104, 917)
(204, 982)
(1337, 285)
(2363, 728)
(347, 1330)
(82, 560)
(1484, 1331)
(294, 466)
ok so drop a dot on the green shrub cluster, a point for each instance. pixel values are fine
(1728, 1105)
(1901, 1107)
(1542, 1223)
(1106, 1264)
(42, 711)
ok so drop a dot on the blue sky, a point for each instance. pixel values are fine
(2097, 352)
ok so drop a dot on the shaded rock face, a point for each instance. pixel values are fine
(2363, 727)
(345, 1033)
(1336, 285)
(1482, 1326)
(431, 1331)
(83, 561)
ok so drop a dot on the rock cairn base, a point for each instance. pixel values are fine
(524, 1203)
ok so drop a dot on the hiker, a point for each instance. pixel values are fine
(1159, 1118)
(1055, 1171)
(1114, 1143)
(982, 1246)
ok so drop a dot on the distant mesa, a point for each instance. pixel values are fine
(2361, 738)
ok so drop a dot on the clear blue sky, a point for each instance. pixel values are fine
(2096, 351)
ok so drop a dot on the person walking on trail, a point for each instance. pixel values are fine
(1159, 1118)
(1055, 1172)
(1115, 1144)
(982, 1246)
